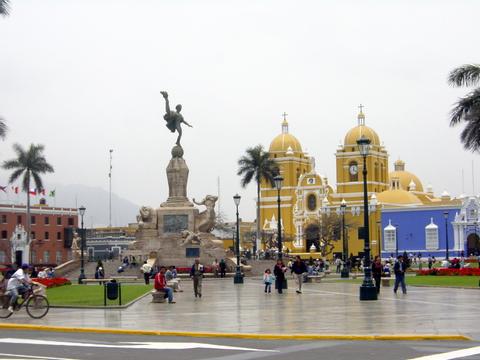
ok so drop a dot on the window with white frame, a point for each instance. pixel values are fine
(58, 257)
(3, 257)
(431, 236)
(390, 237)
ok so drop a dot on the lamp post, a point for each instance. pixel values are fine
(278, 185)
(345, 270)
(238, 278)
(367, 289)
(396, 241)
(445, 215)
(82, 246)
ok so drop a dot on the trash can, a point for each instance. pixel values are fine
(112, 290)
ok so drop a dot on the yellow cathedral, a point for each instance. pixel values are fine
(306, 196)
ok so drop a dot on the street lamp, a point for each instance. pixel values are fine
(445, 215)
(82, 246)
(367, 289)
(278, 185)
(238, 278)
(345, 271)
(396, 241)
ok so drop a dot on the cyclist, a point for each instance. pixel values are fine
(17, 285)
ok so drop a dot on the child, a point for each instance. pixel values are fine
(268, 280)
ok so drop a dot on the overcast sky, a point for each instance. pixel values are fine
(84, 76)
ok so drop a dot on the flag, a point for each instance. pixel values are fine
(33, 192)
(3, 188)
(51, 193)
(15, 189)
(41, 192)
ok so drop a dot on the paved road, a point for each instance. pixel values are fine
(62, 346)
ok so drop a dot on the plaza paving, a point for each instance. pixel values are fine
(323, 308)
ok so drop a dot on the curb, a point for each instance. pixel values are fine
(401, 337)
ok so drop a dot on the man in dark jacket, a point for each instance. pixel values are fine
(298, 269)
(196, 273)
(399, 269)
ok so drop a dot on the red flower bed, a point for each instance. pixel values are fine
(451, 272)
(186, 270)
(52, 282)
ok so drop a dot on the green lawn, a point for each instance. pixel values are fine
(462, 281)
(92, 295)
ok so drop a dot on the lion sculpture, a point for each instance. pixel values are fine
(147, 218)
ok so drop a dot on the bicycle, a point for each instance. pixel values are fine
(37, 306)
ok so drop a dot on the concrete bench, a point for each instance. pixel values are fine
(158, 296)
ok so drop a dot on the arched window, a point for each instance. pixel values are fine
(298, 174)
(376, 172)
(431, 236)
(353, 171)
(390, 237)
(312, 202)
(382, 173)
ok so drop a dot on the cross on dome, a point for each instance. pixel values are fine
(361, 115)
(285, 123)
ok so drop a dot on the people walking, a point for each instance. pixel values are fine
(196, 273)
(279, 272)
(377, 272)
(399, 269)
(223, 268)
(268, 280)
(146, 269)
(298, 269)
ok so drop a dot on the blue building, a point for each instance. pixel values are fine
(423, 230)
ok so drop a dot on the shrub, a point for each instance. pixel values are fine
(49, 283)
(450, 272)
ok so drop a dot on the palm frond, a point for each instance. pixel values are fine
(465, 107)
(247, 178)
(11, 164)
(4, 7)
(470, 135)
(3, 128)
(465, 75)
(15, 175)
(37, 180)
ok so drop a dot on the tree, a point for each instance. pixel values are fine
(257, 165)
(4, 7)
(28, 164)
(467, 109)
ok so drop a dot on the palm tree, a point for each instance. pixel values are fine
(4, 8)
(29, 163)
(257, 165)
(467, 109)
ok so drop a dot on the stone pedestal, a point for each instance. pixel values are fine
(177, 176)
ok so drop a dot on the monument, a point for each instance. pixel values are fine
(176, 232)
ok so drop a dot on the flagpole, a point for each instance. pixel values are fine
(110, 192)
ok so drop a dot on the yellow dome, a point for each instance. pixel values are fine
(398, 197)
(356, 133)
(361, 130)
(285, 142)
(405, 177)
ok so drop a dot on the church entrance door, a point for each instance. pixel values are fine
(312, 233)
(18, 257)
(473, 244)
